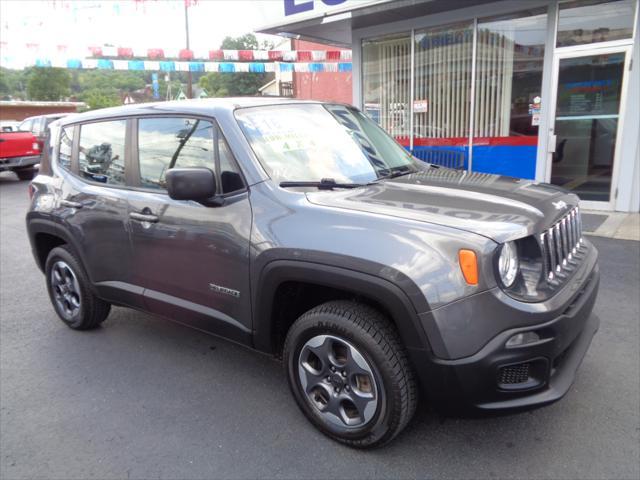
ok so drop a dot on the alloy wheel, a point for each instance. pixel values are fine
(338, 381)
(66, 289)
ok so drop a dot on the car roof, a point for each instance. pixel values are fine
(204, 106)
(49, 115)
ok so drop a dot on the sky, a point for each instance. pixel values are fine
(125, 23)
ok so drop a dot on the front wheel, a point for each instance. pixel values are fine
(349, 373)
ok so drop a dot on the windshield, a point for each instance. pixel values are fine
(311, 142)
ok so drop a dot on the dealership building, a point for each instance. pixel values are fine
(538, 89)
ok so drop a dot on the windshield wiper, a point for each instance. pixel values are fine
(324, 184)
(397, 172)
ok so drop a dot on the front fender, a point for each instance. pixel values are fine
(393, 298)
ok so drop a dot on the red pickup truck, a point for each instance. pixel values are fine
(19, 152)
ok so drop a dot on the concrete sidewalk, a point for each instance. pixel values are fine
(621, 226)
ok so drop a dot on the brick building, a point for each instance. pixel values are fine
(18, 110)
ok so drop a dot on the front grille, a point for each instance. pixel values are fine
(514, 374)
(562, 246)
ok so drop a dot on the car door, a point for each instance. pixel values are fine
(92, 204)
(192, 259)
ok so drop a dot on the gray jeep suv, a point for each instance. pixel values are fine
(301, 229)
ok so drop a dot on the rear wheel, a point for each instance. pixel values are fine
(70, 293)
(349, 373)
(26, 173)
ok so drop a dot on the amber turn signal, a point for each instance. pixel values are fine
(469, 266)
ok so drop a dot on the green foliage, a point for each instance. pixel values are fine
(245, 42)
(122, 81)
(50, 84)
(97, 98)
(233, 84)
(13, 83)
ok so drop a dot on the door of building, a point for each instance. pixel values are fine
(587, 112)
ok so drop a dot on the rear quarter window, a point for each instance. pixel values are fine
(65, 147)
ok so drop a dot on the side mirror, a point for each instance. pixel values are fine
(197, 183)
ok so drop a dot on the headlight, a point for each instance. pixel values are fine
(508, 264)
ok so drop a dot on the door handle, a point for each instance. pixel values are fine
(70, 204)
(143, 217)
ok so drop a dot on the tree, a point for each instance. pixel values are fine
(100, 98)
(123, 81)
(48, 84)
(5, 90)
(244, 42)
(235, 84)
(12, 84)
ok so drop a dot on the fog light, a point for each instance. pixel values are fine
(522, 339)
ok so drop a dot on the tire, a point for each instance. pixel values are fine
(25, 173)
(357, 341)
(70, 292)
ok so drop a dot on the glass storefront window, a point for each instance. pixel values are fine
(583, 22)
(442, 94)
(508, 84)
(386, 85)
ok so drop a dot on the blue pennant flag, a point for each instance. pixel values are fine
(256, 67)
(136, 65)
(104, 64)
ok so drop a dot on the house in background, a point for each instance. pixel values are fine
(18, 110)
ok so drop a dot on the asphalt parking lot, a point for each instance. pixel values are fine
(142, 397)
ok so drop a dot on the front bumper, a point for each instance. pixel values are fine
(18, 162)
(479, 381)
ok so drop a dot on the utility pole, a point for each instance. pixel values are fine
(186, 27)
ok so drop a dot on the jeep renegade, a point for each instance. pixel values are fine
(303, 230)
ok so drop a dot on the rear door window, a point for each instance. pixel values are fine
(101, 153)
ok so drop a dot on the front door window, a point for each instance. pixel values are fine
(586, 124)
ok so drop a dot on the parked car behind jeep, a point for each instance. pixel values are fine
(301, 229)
(20, 153)
(39, 124)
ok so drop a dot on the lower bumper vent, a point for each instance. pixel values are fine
(514, 374)
(524, 375)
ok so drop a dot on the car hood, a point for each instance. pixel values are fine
(500, 208)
